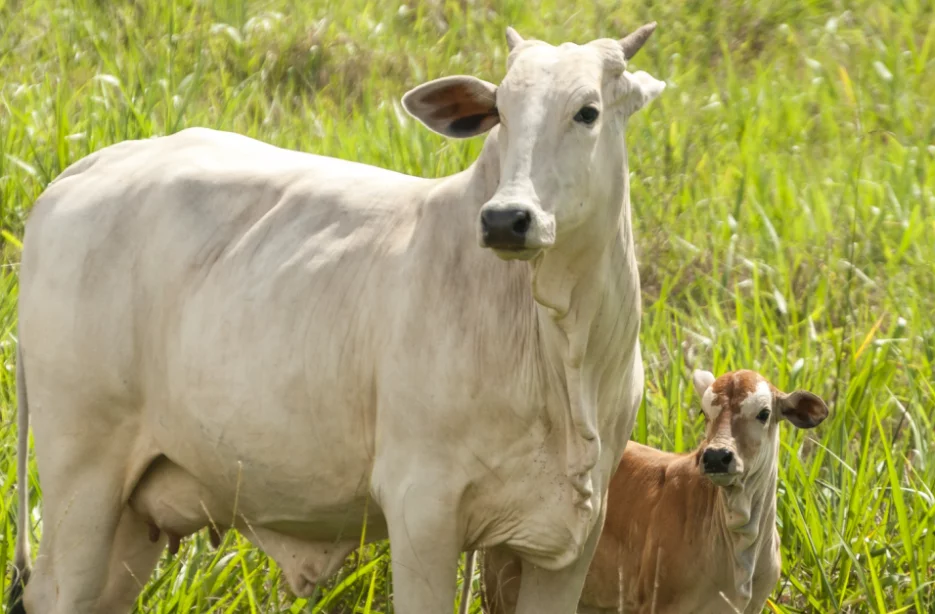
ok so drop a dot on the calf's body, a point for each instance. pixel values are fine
(688, 533)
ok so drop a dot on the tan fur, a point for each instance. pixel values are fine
(673, 541)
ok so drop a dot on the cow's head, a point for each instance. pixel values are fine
(562, 111)
(742, 414)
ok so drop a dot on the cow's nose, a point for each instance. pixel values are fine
(506, 227)
(717, 460)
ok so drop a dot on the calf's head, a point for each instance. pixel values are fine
(561, 112)
(742, 414)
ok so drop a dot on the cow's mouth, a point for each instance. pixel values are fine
(724, 479)
(515, 253)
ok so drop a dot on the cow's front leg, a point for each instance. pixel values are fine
(424, 544)
(557, 592)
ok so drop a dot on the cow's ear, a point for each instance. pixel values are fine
(702, 380)
(635, 90)
(803, 409)
(458, 106)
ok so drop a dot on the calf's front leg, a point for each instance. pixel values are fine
(767, 575)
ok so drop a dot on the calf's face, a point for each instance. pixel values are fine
(742, 414)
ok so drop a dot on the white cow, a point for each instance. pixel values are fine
(215, 331)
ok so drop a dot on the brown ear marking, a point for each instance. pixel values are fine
(455, 92)
(458, 102)
(472, 124)
(458, 106)
(803, 409)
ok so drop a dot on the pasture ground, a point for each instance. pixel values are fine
(783, 192)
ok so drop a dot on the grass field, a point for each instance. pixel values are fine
(783, 191)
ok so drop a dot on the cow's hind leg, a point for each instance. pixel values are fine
(82, 507)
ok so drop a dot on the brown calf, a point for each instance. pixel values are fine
(689, 533)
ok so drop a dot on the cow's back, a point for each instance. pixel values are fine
(191, 282)
(125, 232)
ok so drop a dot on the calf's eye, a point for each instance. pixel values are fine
(587, 115)
(763, 416)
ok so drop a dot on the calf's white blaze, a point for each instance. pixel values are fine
(761, 398)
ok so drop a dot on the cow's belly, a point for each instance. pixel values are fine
(174, 500)
(267, 419)
(294, 452)
(289, 490)
(262, 369)
(281, 470)
(309, 551)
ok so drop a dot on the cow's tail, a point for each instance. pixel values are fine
(21, 558)
(469, 562)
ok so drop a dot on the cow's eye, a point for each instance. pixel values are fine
(587, 115)
(763, 416)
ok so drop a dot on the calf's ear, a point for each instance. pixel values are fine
(458, 107)
(702, 380)
(803, 409)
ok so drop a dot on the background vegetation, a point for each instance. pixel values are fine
(783, 191)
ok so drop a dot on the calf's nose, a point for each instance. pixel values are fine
(505, 228)
(717, 460)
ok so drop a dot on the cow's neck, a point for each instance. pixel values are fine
(746, 516)
(587, 310)
(587, 297)
(587, 301)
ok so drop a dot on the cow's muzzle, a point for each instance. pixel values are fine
(515, 230)
(721, 465)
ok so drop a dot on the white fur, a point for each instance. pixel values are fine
(319, 343)
(761, 398)
(702, 381)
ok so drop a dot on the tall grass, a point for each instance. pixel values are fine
(783, 190)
